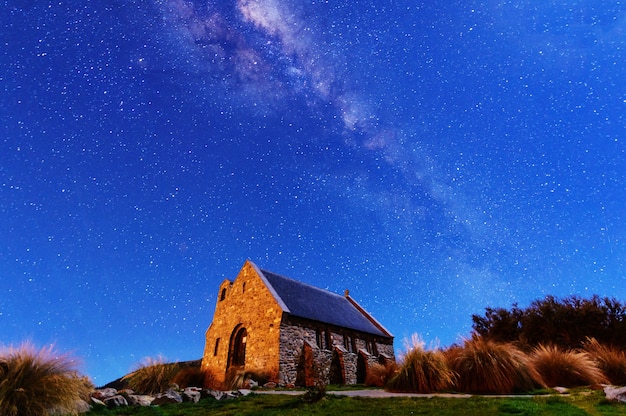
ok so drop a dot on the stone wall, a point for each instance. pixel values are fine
(333, 353)
(275, 342)
(244, 303)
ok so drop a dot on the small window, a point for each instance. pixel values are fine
(217, 346)
(348, 343)
(243, 289)
(223, 295)
(321, 338)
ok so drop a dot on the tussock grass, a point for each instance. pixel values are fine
(378, 375)
(488, 367)
(566, 368)
(154, 375)
(421, 370)
(239, 377)
(193, 377)
(610, 360)
(235, 378)
(40, 383)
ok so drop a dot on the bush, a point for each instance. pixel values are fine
(610, 360)
(40, 382)
(153, 376)
(422, 371)
(378, 375)
(563, 322)
(566, 368)
(487, 367)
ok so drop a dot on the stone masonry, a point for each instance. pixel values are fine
(252, 329)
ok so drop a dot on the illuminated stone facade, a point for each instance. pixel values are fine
(295, 333)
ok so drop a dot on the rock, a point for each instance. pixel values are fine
(126, 392)
(102, 394)
(244, 392)
(561, 390)
(252, 384)
(614, 393)
(270, 385)
(216, 394)
(97, 402)
(191, 394)
(170, 396)
(115, 401)
(82, 406)
(140, 400)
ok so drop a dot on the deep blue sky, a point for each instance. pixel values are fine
(435, 158)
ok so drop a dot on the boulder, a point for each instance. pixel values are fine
(192, 394)
(115, 401)
(216, 394)
(97, 402)
(126, 392)
(170, 396)
(270, 385)
(614, 393)
(82, 406)
(102, 394)
(140, 400)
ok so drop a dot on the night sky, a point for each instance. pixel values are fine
(435, 158)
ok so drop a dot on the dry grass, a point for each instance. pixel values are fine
(566, 368)
(421, 370)
(610, 360)
(40, 383)
(239, 377)
(487, 367)
(193, 377)
(235, 378)
(378, 375)
(152, 376)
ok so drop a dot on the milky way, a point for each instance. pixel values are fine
(433, 158)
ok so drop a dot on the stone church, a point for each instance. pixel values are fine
(296, 333)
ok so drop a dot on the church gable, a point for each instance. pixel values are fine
(245, 328)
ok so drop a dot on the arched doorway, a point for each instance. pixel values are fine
(237, 347)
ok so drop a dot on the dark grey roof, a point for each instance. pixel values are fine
(310, 302)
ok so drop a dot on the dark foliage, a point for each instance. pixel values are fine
(564, 322)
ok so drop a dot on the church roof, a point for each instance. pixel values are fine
(306, 301)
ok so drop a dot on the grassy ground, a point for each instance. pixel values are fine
(584, 403)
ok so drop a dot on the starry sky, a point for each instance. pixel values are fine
(435, 158)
